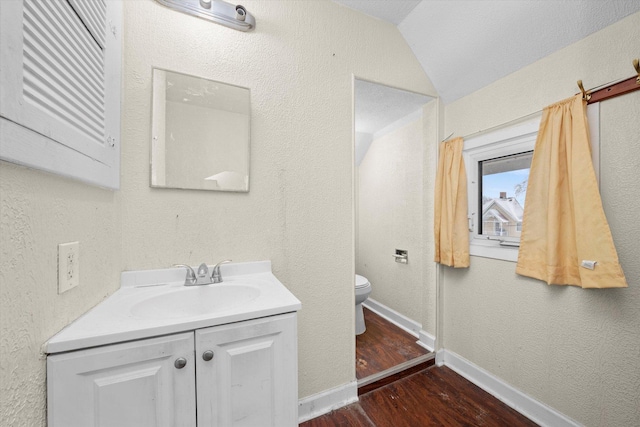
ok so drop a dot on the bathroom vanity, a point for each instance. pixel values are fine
(158, 353)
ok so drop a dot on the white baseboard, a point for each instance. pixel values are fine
(426, 340)
(326, 401)
(536, 411)
(394, 317)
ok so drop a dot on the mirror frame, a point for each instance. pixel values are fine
(151, 144)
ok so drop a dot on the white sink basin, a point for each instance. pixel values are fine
(152, 303)
(193, 301)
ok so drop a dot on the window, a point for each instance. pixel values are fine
(498, 166)
(60, 86)
(503, 186)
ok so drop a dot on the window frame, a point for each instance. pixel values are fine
(507, 141)
(504, 141)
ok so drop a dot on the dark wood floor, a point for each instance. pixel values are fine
(432, 397)
(383, 345)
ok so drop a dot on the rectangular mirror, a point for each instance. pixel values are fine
(200, 133)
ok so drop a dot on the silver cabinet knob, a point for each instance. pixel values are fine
(180, 363)
(207, 355)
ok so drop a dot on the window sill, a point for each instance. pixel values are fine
(492, 249)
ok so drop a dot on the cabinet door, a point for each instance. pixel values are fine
(252, 379)
(134, 384)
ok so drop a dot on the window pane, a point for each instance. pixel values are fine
(503, 182)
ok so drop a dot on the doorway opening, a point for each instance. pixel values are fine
(391, 132)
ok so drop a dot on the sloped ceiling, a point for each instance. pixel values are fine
(393, 11)
(464, 45)
(378, 106)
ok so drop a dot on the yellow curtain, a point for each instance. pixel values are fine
(450, 219)
(565, 235)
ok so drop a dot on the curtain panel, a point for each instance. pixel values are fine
(565, 238)
(450, 217)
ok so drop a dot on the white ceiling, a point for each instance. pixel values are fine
(393, 11)
(380, 109)
(378, 106)
(464, 45)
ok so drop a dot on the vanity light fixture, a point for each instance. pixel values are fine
(218, 11)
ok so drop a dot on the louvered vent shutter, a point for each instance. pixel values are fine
(58, 82)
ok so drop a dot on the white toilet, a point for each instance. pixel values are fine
(363, 289)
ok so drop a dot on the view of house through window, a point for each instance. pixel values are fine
(503, 181)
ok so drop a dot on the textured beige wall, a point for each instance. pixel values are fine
(299, 64)
(391, 216)
(396, 173)
(576, 350)
(431, 130)
(37, 212)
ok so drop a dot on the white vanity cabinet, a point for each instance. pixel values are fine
(252, 379)
(243, 374)
(134, 384)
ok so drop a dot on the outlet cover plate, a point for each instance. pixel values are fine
(68, 266)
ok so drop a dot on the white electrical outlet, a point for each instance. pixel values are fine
(68, 266)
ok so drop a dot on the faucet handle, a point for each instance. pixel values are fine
(191, 275)
(216, 276)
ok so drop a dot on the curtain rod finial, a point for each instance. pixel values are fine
(636, 65)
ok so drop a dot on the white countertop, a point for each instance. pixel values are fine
(115, 320)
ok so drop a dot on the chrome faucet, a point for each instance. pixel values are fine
(202, 276)
(216, 277)
(199, 278)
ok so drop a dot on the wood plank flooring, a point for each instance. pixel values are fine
(415, 397)
(383, 345)
(432, 397)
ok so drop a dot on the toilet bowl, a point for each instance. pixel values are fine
(363, 289)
